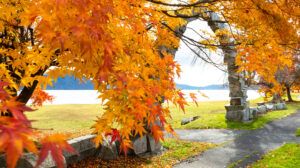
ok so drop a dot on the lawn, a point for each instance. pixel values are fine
(73, 119)
(76, 119)
(177, 151)
(212, 115)
(286, 156)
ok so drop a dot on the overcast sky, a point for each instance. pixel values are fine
(198, 73)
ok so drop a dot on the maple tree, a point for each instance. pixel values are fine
(125, 48)
(97, 40)
(255, 31)
(266, 47)
(288, 78)
(291, 77)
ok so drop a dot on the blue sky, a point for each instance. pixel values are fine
(198, 73)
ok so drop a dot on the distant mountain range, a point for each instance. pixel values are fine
(208, 87)
(70, 83)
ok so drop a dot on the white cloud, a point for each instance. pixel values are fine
(196, 72)
(200, 75)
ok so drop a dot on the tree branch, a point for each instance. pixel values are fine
(185, 5)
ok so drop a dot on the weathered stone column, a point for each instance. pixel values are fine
(238, 109)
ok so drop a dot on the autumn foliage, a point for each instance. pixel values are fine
(266, 33)
(123, 47)
(39, 97)
(17, 134)
(113, 43)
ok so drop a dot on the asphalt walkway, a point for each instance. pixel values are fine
(238, 145)
(216, 136)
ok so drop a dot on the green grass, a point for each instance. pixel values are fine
(177, 151)
(212, 115)
(77, 119)
(287, 156)
(180, 150)
(297, 133)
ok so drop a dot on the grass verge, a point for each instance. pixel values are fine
(177, 151)
(212, 115)
(76, 119)
(286, 156)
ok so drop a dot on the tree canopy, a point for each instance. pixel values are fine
(125, 48)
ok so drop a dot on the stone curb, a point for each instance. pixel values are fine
(262, 109)
(86, 148)
(83, 145)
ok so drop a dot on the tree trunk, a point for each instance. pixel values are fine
(27, 92)
(24, 97)
(276, 98)
(288, 92)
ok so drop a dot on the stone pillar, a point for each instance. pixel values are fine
(238, 109)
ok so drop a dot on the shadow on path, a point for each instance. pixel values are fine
(248, 148)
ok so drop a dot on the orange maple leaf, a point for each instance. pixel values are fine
(124, 145)
(115, 135)
(181, 104)
(54, 144)
(3, 94)
(180, 94)
(157, 133)
(202, 94)
(169, 130)
(40, 96)
(17, 109)
(14, 137)
(194, 98)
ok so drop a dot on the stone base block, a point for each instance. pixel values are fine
(280, 106)
(140, 145)
(153, 146)
(108, 151)
(261, 109)
(237, 113)
(253, 113)
(144, 145)
(284, 106)
(84, 146)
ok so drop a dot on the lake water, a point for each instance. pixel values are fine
(90, 96)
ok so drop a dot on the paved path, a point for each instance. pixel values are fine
(217, 136)
(248, 147)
